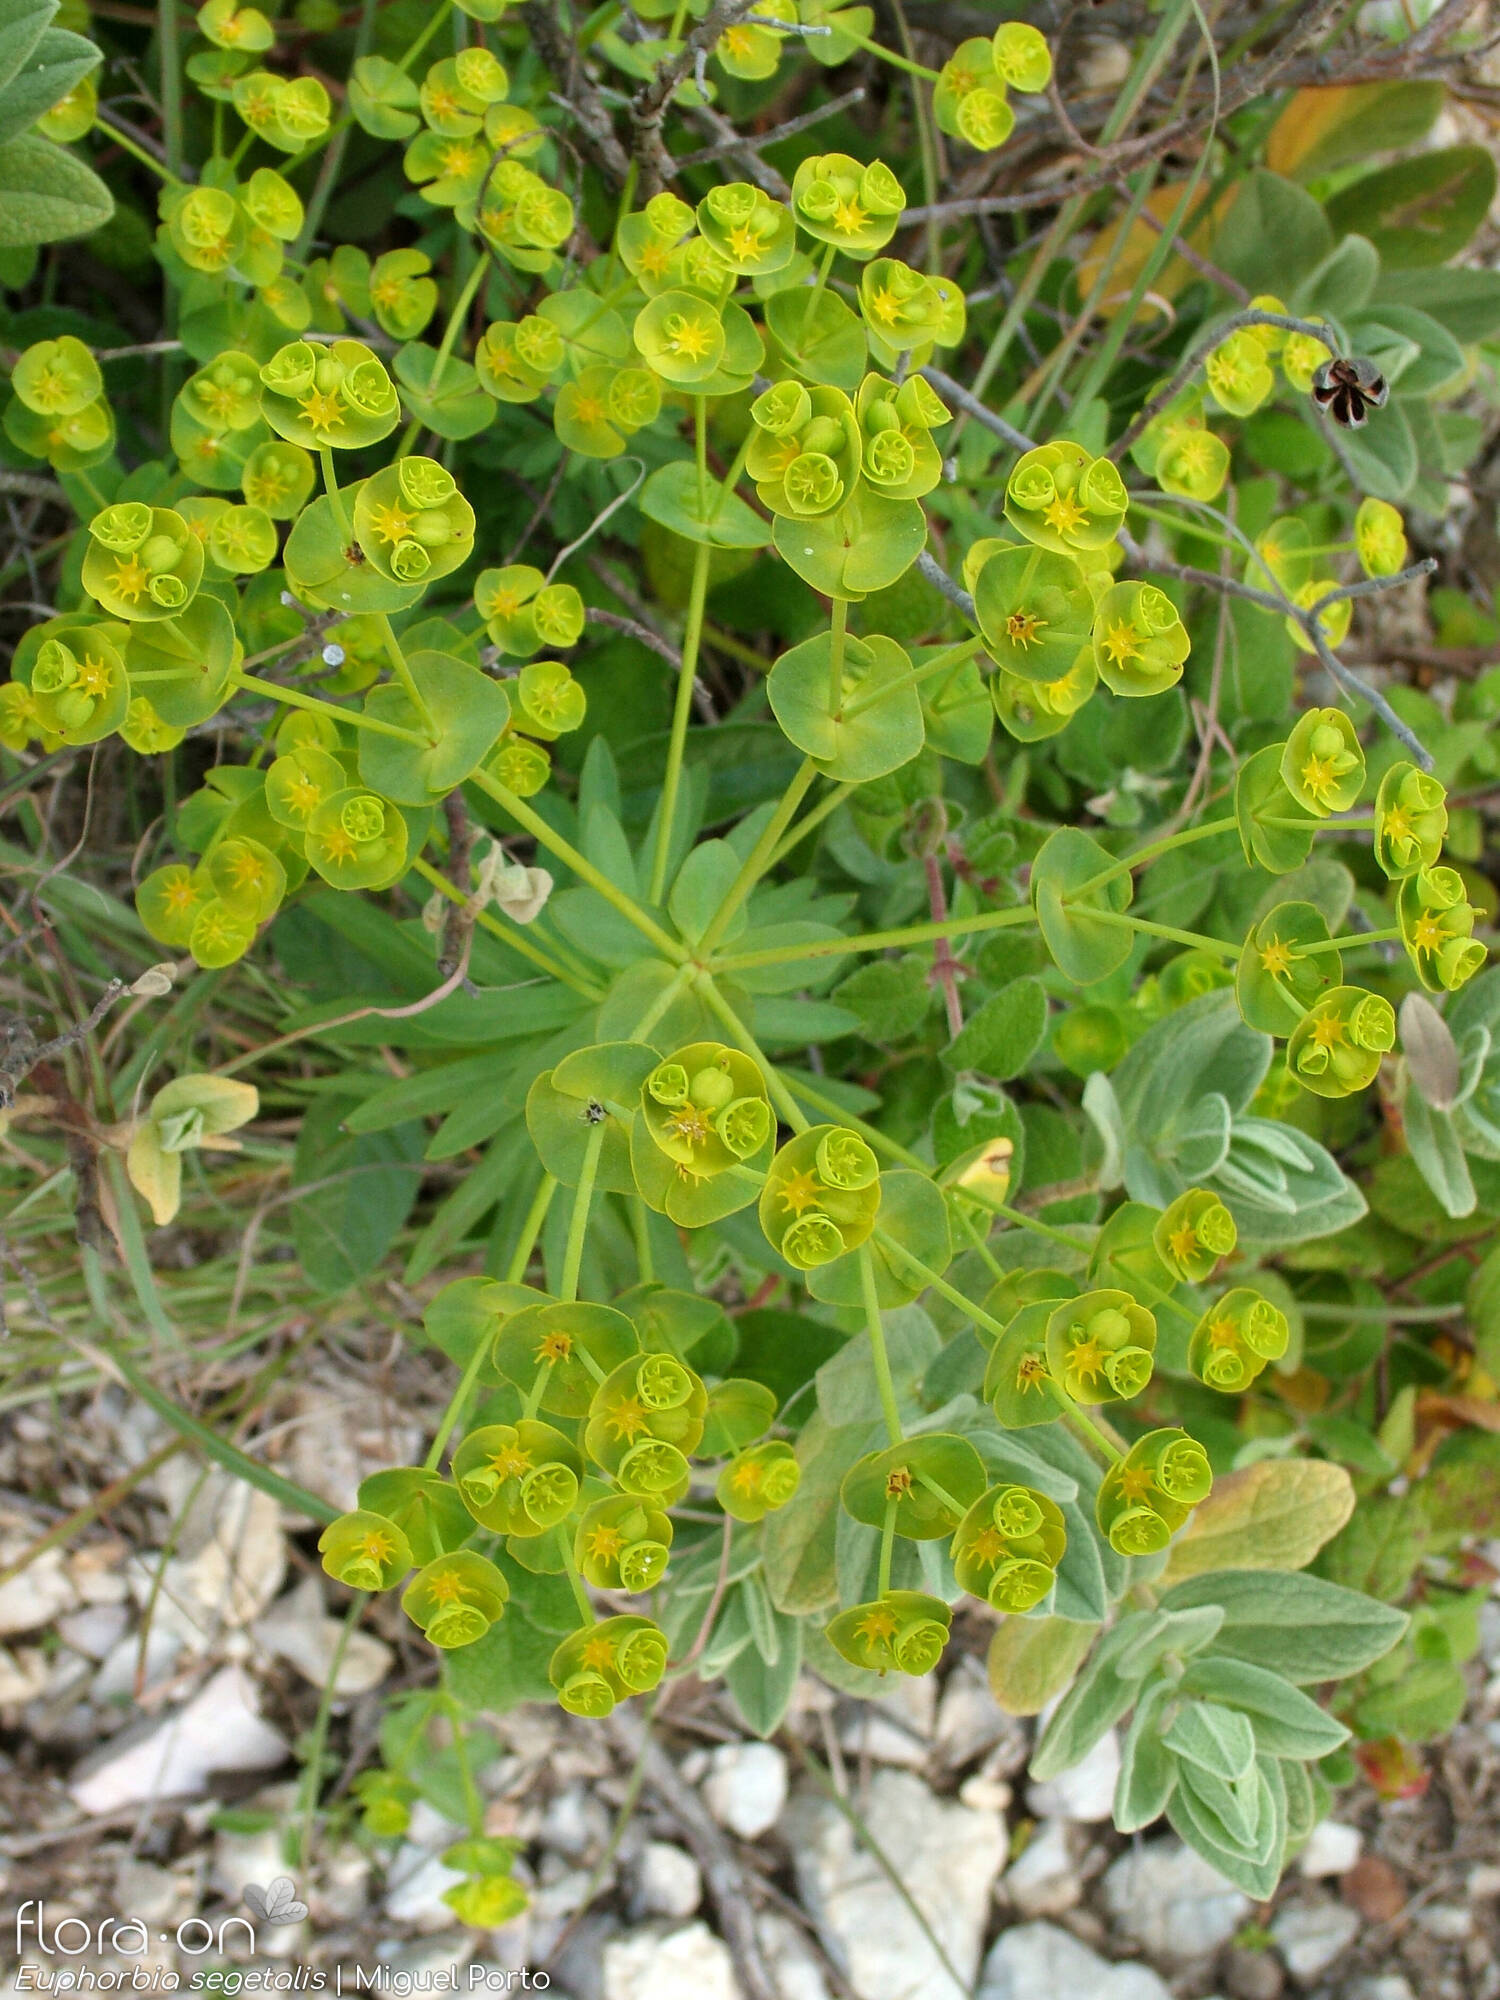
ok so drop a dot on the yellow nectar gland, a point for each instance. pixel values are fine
(93, 677)
(391, 523)
(987, 1547)
(1428, 933)
(1223, 1333)
(740, 43)
(885, 306)
(598, 1652)
(553, 1347)
(1195, 452)
(801, 1193)
(213, 931)
(1135, 1483)
(1327, 1031)
(589, 410)
(656, 258)
(1276, 958)
(248, 871)
(511, 1463)
(1122, 642)
(1318, 776)
(692, 338)
(322, 409)
(849, 216)
(338, 845)
(179, 897)
(746, 1477)
(388, 292)
(1023, 628)
(605, 1542)
(50, 390)
(627, 1420)
(878, 1623)
(304, 795)
(1183, 1242)
(689, 1125)
(377, 1545)
(446, 1587)
(130, 578)
(1064, 516)
(1087, 1359)
(1397, 825)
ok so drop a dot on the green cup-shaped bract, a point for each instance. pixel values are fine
(1022, 57)
(357, 840)
(1437, 924)
(142, 563)
(1146, 1496)
(1035, 610)
(805, 454)
(1238, 374)
(1235, 1339)
(707, 1108)
(456, 1598)
(681, 336)
(930, 1480)
(607, 1662)
(554, 1338)
(900, 305)
(331, 397)
(1140, 641)
(1336, 1047)
(364, 1550)
(1007, 1547)
(518, 1479)
(1411, 820)
(904, 1631)
(278, 478)
(79, 688)
(57, 378)
(809, 1218)
(649, 1397)
(1061, 498)
(758, 1480)
(1018, 1377)
(622, 1543)
(854, 208)
(1192, 1234)
(969, 98)
(1323, 765)
(1379, 537)
(753, 234)
(1191, 461)
(1100, 1346)
(412, 522)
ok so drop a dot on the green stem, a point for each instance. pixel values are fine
(986, 920)
(404, 675)
(938, 1283)
(824, 267)
(890, 56)
(537, 1390)
(544, 835)
(758, 860)
(300, 1846)
(700, 453)
(335, 497)
(1142, 855)
(945, 662)
(887, 1548)
(578, 1222)
(294, 698)
(1194, 940)
(837, 637)
(169, 41)
(513, 937)
(1019, 1219)
(883, 1379)
(871, 1134)
(1349, 943)
(814, 818)
(1112, 1446)
(123, 139)
(580, 1595)
(681, 714)
(456, 319)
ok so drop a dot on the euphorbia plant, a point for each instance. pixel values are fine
(760, 374)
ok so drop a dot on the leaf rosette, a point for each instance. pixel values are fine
(821, 1196)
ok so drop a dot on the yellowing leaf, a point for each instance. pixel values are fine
(155, 1173)
(1323, 129)
(1033, 1659)
(1275, 1514)
(1140, 242)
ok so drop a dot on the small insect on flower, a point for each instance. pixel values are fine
(1348, 389)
